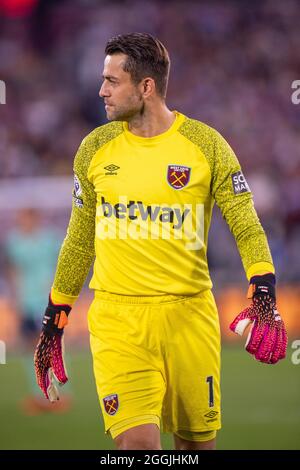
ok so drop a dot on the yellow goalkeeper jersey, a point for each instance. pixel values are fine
(142, 209)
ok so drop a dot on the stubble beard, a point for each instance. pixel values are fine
(133, 110)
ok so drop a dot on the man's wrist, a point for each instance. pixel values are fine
(260, 268)
(60, 298)
(262, 285)
(55, 318)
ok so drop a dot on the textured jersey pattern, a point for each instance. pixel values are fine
(78, 251)
(238, 210)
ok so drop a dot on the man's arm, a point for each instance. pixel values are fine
(77, 251)
(233, 196)
(74, 261)
(267, 339)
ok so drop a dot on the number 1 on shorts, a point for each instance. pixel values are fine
(210, 381)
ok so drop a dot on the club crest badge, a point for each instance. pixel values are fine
(111, 404)
(178, 176)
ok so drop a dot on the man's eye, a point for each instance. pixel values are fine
(109, 80)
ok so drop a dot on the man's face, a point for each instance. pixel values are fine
(123, 99)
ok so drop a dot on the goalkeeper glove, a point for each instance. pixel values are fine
(48, 356)
(267, 339)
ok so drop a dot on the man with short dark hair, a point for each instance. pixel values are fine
(145, 185)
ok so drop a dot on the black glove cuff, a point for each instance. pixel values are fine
(263, 285)
(55, 319)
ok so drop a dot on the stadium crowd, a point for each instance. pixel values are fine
(233, 64)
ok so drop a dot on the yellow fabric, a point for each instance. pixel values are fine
(60, 298)
(194, 436)
(131, 423)
(144, 205)
(258, 269)
(157, 356)
(197, 436)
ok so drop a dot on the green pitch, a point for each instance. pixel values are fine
(261, 408)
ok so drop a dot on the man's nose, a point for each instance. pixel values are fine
(103, 91)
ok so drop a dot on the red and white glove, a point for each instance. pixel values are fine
(49, 354)
(267, 339)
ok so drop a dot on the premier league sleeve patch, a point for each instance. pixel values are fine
(77, 186)
(77, 192)
(178, 176)
(239, 183)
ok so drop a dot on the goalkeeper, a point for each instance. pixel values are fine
(144, 188)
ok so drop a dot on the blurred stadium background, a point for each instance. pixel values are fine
(233, 64)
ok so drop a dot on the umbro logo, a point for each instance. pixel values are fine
(211, 416)
(111, 169)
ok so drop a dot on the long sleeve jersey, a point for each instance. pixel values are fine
(142, 209)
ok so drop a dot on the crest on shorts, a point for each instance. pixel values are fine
(178, 176)
(111, 404)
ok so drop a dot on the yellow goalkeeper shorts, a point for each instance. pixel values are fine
(157, 360)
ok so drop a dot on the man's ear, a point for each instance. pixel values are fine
(148, 87)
